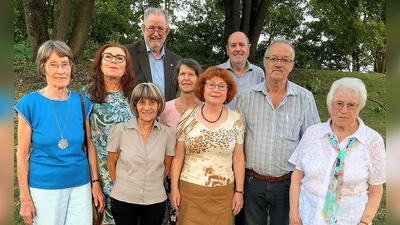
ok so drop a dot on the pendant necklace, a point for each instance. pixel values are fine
(211, 121)
(62, 143)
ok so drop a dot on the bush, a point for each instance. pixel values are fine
(22, 51)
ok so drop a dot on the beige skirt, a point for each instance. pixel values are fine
(205, 205)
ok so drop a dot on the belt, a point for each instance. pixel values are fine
(267, 178)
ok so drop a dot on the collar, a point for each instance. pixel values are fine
(290, 88)
(360, 133)
(133, 124)
(227, 65)
(150, 52)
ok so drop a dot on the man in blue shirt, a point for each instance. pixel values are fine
(152, 62)
(275, 114)
(244, 73)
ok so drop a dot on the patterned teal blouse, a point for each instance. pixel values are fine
(114, 110)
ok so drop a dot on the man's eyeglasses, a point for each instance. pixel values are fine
(152, 30)
(211, 85)
(350, 105)
(55, 66)
(118, 58)
(274, 59)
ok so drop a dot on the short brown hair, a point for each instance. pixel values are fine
(211, 72)
(147, 90)
(191, 63)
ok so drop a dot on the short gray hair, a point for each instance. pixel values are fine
(155, 11)
(348, 85)
(47, 48)
(280, 41)
(147, 90)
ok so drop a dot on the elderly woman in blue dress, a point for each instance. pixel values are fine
(340, 164)
(53, 171)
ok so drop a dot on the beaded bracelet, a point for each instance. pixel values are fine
(240, 192)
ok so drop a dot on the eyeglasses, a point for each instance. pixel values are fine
(55, 66)
(211, 85)
(350, 106)
(108, 57)
(152, 30)
(274, 59)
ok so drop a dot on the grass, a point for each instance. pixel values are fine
(318, 81)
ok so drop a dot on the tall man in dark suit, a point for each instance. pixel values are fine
(152, 62)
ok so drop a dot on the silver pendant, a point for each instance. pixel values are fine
(62, 143)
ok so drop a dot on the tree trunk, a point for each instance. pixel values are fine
(253, 16)
(355, 61)
(259, 10)
(380, 61)
(36, 26)
(246, 17)
(232, 17)
(81, 28)
(61, 22)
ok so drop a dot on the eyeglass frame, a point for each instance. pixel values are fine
(113, 57)
(283, 60)
(207, 83)
(161, 31)
(63, 66)
(351, 106)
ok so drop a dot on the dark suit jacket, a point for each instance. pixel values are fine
(141, 67)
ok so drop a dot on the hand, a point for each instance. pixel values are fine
(27, 211)
(294, 218)
(98, 197)
(175, 198)
(237, 203)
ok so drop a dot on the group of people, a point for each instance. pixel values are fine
(234, 142)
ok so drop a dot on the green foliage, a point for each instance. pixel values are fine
(199, 35)
(116, 21)
(20, 33)
(345, 35)
(22, 52)
(314, 85)
(91, 48)
(283, 21)
(22, 57)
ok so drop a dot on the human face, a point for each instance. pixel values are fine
(215, 95)
(344, 117)
(113, 69)
(186, 79)
(60, 77)
(155, 40)
(147, 109)
(278, 71)
(238, 48)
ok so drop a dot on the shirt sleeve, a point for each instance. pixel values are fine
(240, 135)
(113, 139)
(312, 116)
(298, 154)
(377, 156)
(239, 108)
(171, 141)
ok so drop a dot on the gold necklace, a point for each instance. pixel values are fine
(62, 143)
